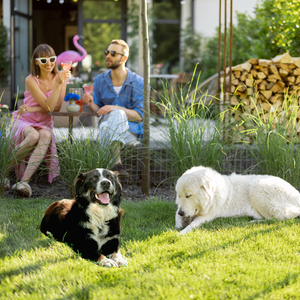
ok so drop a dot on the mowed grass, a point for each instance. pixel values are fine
(230, 258)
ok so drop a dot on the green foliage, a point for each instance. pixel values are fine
(278, 27)
(166, 49)
(223, 259)
(191, 52)
(97, 36)
(4, 56)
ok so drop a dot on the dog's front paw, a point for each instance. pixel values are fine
(186, 230)
(108, 263)
(122, 262)
(118, 258)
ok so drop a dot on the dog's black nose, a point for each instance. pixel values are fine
(181, 212)
(105, 184)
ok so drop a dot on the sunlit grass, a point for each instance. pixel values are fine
(227, 258)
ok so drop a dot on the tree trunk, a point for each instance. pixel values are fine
(146, 119)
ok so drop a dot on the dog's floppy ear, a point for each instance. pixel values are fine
(79, 184)
(208, 188)
(118, 185)
(208, 183)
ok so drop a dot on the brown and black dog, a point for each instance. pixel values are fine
(91, 223)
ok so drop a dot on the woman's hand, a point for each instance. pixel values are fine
(24, 109)
(63, 76)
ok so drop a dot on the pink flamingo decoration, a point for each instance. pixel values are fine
(72, 55)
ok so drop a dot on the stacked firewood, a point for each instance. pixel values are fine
(264, 86)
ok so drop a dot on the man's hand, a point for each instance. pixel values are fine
(107, 109)
(87, 99)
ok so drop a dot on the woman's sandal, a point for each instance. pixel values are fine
(6, 184)
(22, 189)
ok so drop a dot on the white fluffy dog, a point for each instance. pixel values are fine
(203, 194)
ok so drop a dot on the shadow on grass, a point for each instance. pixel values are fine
(30, 268)
(19, 224)
(213, 227)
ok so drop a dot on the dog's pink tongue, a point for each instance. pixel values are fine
(104, 198)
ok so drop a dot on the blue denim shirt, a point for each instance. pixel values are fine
(130, 96)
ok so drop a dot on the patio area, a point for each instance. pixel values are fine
(157, 132)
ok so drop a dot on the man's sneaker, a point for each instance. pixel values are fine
(122, 173)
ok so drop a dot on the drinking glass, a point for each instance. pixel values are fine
(88, 88)
(67, 65)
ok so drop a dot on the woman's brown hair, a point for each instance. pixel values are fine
(42, 50)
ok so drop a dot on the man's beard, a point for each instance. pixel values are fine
(115, 65)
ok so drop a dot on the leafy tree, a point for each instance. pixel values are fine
(97, 36)
(191, 50)
(4, 56)
(278, 27)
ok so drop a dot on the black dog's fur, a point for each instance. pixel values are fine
(89, 224)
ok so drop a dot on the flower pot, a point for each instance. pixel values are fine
(73, 107)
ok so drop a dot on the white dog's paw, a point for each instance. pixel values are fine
(186, 230)
(178, 226)
(108, 263)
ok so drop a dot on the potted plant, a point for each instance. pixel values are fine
(72, 98)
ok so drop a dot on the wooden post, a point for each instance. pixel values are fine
(225, 52)
(146, 119)
(230, 49)
(219, 52)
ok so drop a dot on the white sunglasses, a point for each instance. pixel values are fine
(44, 60)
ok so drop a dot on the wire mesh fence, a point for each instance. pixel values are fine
(238, 159)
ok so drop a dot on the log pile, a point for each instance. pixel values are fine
(264, 86)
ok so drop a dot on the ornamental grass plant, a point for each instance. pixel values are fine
(82, 153)
(274, 140)
(193, 131)
(7, 147)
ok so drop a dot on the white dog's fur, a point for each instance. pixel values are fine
(204, 194)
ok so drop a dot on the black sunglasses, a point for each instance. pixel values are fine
(112, 53)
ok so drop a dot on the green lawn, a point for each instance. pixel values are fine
(226, 259)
